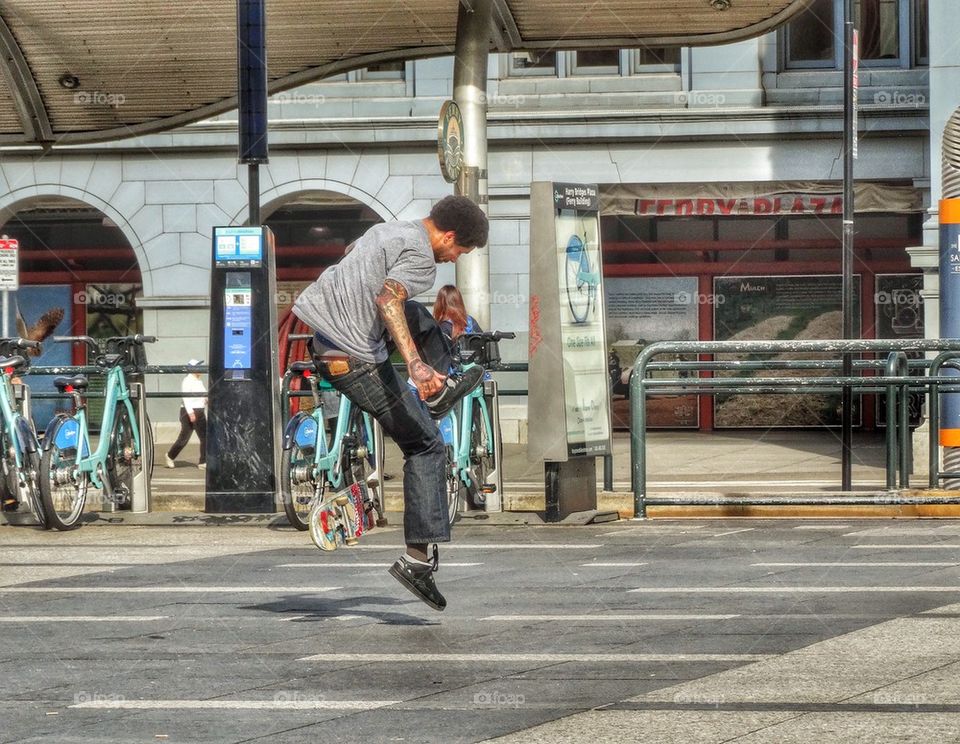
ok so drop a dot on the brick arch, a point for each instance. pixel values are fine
(22, 198)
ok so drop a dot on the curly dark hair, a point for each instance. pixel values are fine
(465, 218)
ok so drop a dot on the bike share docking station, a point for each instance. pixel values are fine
(242, 452)
(569, 400)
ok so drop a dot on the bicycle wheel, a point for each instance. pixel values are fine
(123, 464)
(146, 445)
(578, 290)
(354, 463)
(62, 490)
(31, 490)
(481, 456)
(454, 486)
(8, 478)
(298, 487)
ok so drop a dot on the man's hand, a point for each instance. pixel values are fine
(192, 416)
(425, 377)
(390, 304)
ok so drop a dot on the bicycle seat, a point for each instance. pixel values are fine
(77, 382)
(15, 362)
(301, 367)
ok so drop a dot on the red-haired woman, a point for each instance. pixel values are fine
(450, 312)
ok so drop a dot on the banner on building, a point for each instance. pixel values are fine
(742, 199)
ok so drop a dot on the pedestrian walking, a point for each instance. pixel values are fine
(354, 308)
(193, 416)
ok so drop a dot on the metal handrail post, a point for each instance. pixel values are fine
(638, 387)
(906, 446)
(891, 432)
(933, 414)
(638, 440)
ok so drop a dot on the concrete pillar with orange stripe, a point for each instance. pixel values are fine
(950, 325)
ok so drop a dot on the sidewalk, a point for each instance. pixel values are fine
(781, 462)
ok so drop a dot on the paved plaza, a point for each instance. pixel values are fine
(657, 631)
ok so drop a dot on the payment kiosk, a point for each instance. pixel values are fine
(242, 420)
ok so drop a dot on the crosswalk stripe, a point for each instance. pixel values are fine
(555, 658)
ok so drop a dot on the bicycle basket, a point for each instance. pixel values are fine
(480, 350)
(135, 355)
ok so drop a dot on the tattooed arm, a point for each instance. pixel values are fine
(390, 304)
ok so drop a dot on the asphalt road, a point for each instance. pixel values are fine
(663, 631)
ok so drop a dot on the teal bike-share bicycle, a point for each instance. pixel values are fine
(19, 448)
(324, 456)
(473, 449)
(68, 465)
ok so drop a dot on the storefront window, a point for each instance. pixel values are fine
(879, 25)
(533, 63)
(892, 33)
(656, 59)
(383, 71)
(810, 38)
(596, 62)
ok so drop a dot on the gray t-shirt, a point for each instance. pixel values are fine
(341, 303)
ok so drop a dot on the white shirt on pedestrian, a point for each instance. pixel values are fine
(192, 384)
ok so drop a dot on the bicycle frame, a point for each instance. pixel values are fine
(327, 459)
(117, 392)
(10, 417)
(461, 418)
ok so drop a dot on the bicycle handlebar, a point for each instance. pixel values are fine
(77, 339)
(95, 344)
(489, 335)
(19, 343)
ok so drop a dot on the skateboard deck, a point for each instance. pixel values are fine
(341, 518)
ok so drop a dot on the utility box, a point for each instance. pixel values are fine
(243, 417)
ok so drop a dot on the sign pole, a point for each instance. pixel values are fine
(850, 144)
(9, 275)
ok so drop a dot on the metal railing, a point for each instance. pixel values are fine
(895, 383)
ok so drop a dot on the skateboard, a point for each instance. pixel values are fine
(342, 518)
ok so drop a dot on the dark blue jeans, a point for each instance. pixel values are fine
(377, 389)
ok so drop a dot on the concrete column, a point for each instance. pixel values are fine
(470, 94)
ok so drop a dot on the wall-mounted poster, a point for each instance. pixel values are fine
(780, 308)
(899, 314)
(641, 310)
(33, 303)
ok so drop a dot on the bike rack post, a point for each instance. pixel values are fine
(22, 394)
(494, 501)
(140, 499)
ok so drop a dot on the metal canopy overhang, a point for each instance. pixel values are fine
(80, 71)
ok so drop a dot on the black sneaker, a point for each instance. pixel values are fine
(454, 388)
(10, 504)
(419, 579)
